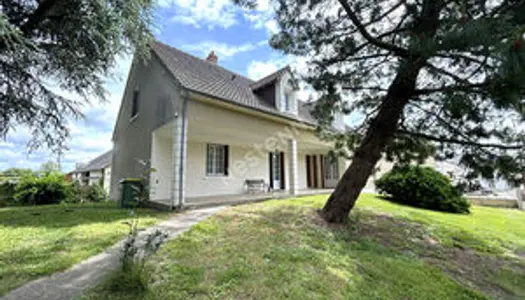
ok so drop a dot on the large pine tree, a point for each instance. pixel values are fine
(443, 77)
(47, 46)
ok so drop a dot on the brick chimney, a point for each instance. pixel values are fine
(212, 57)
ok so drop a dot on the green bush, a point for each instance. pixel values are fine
(7, 192)
(49, 189)
(75, 193)
(422, 187)
(86, 193)
(94, 193)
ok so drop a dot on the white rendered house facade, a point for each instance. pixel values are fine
(206, 131)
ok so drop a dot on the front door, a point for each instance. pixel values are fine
(311, 171)
(276, 170)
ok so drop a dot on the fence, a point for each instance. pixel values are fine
(511, 199)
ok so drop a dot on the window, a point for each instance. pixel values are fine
(135, 104)
(331, 168)
(286, 102)
(216, 160)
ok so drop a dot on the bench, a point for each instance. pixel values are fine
(254, 185)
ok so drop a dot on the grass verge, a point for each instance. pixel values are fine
(41, 240)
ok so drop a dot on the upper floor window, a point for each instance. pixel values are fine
(287, 102)
(216, 160)
(135, 103)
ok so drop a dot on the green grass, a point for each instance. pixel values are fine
(486, 229)
(41, 240)
(282, 250)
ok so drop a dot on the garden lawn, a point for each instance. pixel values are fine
(282, 249)
(41, 240)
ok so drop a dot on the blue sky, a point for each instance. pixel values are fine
(238, 37)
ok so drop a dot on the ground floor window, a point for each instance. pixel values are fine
(216, 160)
(331, 168)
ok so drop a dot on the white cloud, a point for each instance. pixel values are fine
(218, 13)
(202, 13)
(222, 50)
(259, 69)
(272, 26)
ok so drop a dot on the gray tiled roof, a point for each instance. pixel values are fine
(98, 163)
(210, 79)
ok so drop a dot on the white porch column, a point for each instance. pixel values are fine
(178, 160)
(293, 167)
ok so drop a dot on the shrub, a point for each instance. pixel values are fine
(7, 192)
(422, 187)
(94, 193)
(49, 189)
(75, 193)
(86, 193)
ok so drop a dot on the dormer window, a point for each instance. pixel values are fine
(279, 90)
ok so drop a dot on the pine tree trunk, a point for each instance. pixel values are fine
(384, 125)
(378, 136)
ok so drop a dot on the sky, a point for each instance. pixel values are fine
(238, 37)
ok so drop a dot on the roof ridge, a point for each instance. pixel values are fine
(203, 60)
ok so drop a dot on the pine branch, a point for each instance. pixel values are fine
(385, 14)
(37, 16)
(459, 56)
(447, 73)
(346, 58)
(372, 40)
(364, 88)
(460, 142)
(451, 88)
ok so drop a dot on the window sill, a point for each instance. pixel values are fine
(289, 112)
(216, 177)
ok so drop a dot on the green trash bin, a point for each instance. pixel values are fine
(131, 188)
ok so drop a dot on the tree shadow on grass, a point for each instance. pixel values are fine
(469, 260)
(353, 263)
(401, 203)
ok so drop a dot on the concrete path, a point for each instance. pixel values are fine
(70, 283)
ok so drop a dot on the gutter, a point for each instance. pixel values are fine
(182, 149)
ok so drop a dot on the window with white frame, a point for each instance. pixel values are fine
(287, 104)
(331, 168)
(216, 160)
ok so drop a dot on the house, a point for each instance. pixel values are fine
(206, 130)
(96, 171)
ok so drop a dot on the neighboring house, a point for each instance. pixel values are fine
(97, 171)
(207, 130)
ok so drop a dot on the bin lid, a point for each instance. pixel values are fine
(134, 180)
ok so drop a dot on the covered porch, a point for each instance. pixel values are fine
(207, 158)
(236, 199)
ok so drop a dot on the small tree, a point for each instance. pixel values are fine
(426, 76)
(49, 167)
